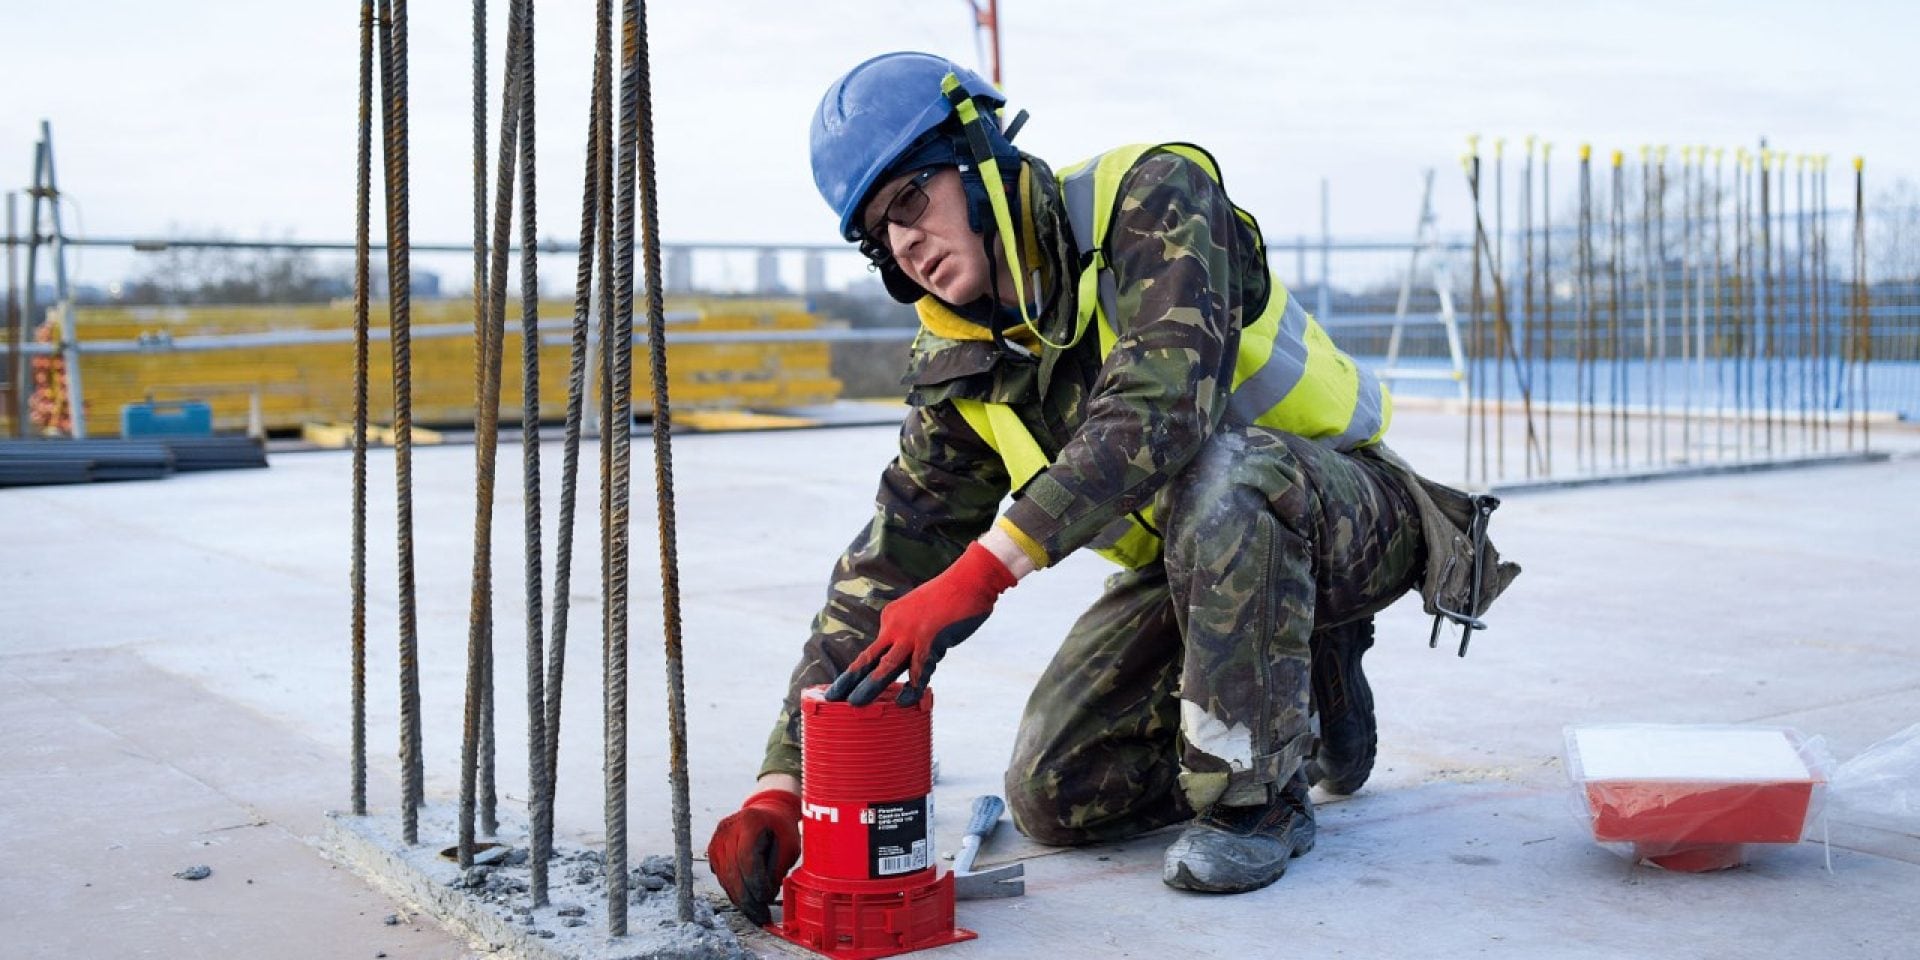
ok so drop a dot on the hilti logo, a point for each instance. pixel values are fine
(814, 811)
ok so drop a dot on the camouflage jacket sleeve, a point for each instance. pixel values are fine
(939, 495)
(1162, 390)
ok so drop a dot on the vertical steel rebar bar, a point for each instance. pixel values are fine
(1861, 301)
(1658, 388)
(1526, 291)
(392, 32)
(486, 436)
(1686, 304)
(1476, 381)
(539, 795)
(1719, 304)
(1497, 258)
(621, 482)
(363, 192)
(663, 486)
(591, 224)
(1617, 305)
(1647, 201)
(1767, 293)
(1822, 343)
(1546, 262)
(1584, 352)
(1802, 268)
(1746, 305)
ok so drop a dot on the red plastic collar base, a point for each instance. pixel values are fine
(861, 920)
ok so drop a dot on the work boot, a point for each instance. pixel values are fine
(1349, 737)
(1236, 849)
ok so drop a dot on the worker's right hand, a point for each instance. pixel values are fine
(753, 848)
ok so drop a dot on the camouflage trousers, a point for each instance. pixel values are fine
(1187, 683)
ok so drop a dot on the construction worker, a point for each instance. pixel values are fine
(1108, 345)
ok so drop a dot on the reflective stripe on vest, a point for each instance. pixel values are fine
(1288, 374)
(1126, 542)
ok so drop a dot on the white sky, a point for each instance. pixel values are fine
(240, 117)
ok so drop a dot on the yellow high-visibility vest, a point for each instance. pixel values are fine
(1288, 374)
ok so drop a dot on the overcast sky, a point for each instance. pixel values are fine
(240, 116)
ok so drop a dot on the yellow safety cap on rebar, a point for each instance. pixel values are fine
(1686, 153)
(1473, 143)
(1618, 156)
(1499, 146)
(1546, 147)
(1859, 164)
(1530, 142)
(1586, 151)
(1662, 154)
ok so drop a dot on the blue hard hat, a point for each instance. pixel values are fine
(875, 113)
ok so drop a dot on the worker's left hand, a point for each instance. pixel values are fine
(917, 629)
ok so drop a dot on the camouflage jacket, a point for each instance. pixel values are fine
(1188, 272)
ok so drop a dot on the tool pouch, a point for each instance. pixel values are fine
(1448, 520)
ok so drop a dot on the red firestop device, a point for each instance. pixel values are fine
(867, 885)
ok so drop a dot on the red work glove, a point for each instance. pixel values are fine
(917, 629)
(753, 848)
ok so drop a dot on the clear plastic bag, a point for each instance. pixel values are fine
(1881, 787)
(1691, 797)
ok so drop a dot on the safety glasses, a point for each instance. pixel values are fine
(906, 207)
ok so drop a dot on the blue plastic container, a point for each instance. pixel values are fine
(167, 418)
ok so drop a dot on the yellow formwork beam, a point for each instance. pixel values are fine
(313, 383)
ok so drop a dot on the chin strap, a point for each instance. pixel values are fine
(972, 122)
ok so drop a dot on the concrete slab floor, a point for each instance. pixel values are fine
(207, 617)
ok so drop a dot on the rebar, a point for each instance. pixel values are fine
(1864, 316)
(1687, 367)
(1526, 287)
(663, 485)
(1719, 304)
(1802, 270)
(1546, 262)
(486, 429)
(1476, 371)
(1584, 436)
(363, 189)
(539, 799)
(617, 519)
(392, 28)
(1646, 292)
(1498, 260)
(1658, 389)
(1616, 305)
(590, 222)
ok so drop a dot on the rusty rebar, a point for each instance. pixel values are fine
(663, 486)
(590, 223)
(392, 30)
(540, 844)
(486, 435)
(363, 192)
(617, 519)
